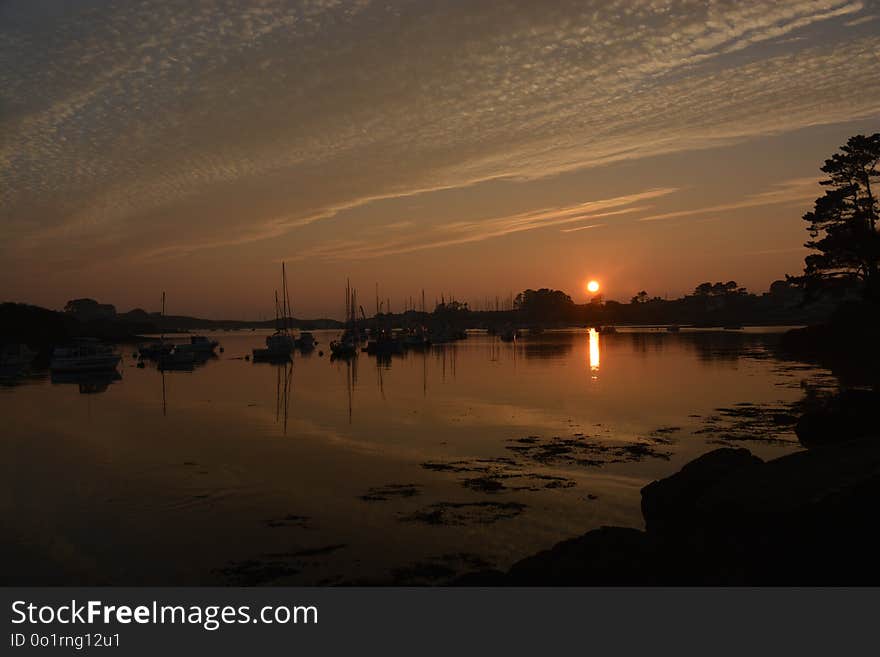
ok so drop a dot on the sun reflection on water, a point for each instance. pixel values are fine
(594, 353)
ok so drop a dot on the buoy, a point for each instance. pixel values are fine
(221, 350)
(247, 357)
(320, 353)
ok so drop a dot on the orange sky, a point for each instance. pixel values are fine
(473, 150)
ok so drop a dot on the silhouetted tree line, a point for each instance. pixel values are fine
(710, 304)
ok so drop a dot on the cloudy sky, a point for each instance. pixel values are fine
(467, 148)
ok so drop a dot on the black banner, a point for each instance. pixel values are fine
(234, 621)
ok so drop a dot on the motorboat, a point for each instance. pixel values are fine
(84, 355)
(509, 334)
(385, 343)
(155, 350)
(180, 358)
(306, 341)
(14, 359)
(272, 355)
(16, 356)
(343, 348)
(199, 344)
(416, 339)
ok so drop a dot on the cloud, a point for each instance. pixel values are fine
(478, 230)
(798, 190)
(157, 131)
(862, 20)
(579, 228)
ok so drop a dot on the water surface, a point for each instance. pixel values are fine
(465, 456)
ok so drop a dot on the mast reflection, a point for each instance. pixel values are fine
(283, 393)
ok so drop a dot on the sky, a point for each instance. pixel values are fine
(470, 149)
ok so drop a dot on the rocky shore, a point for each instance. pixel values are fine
(729, 518)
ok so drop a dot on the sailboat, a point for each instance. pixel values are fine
(156, 350)
(347, 345)
(279, 345)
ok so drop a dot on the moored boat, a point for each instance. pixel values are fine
(16, 355)
(179, 359)
(279, 345)
(272, 355)
(509, 334)
(14, 359)
(416, 339)
(385, 343)
(84, 355)
(199, 344)
(343, 348)
(155, 350)
(306, 341)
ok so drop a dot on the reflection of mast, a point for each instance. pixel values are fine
(424, 373)
(164, 405)
(349, 382)
(379, 374)
(283, 390)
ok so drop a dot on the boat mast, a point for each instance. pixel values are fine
(286, 300)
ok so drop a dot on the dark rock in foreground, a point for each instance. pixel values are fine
(848, 416)
(728, 518)
(671, 503)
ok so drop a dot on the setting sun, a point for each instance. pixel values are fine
(593, 286)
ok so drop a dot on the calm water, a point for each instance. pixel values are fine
(470, 455)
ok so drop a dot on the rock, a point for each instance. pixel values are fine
(793, 486)
(608, 555)
(670, 503)
(729, 518)
(490, 577)
(851, 415)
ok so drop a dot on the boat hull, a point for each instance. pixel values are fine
(270, 356)
(85, 364)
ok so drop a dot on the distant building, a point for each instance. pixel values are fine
(87, 310)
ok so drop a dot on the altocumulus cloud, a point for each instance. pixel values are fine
(156, 127)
